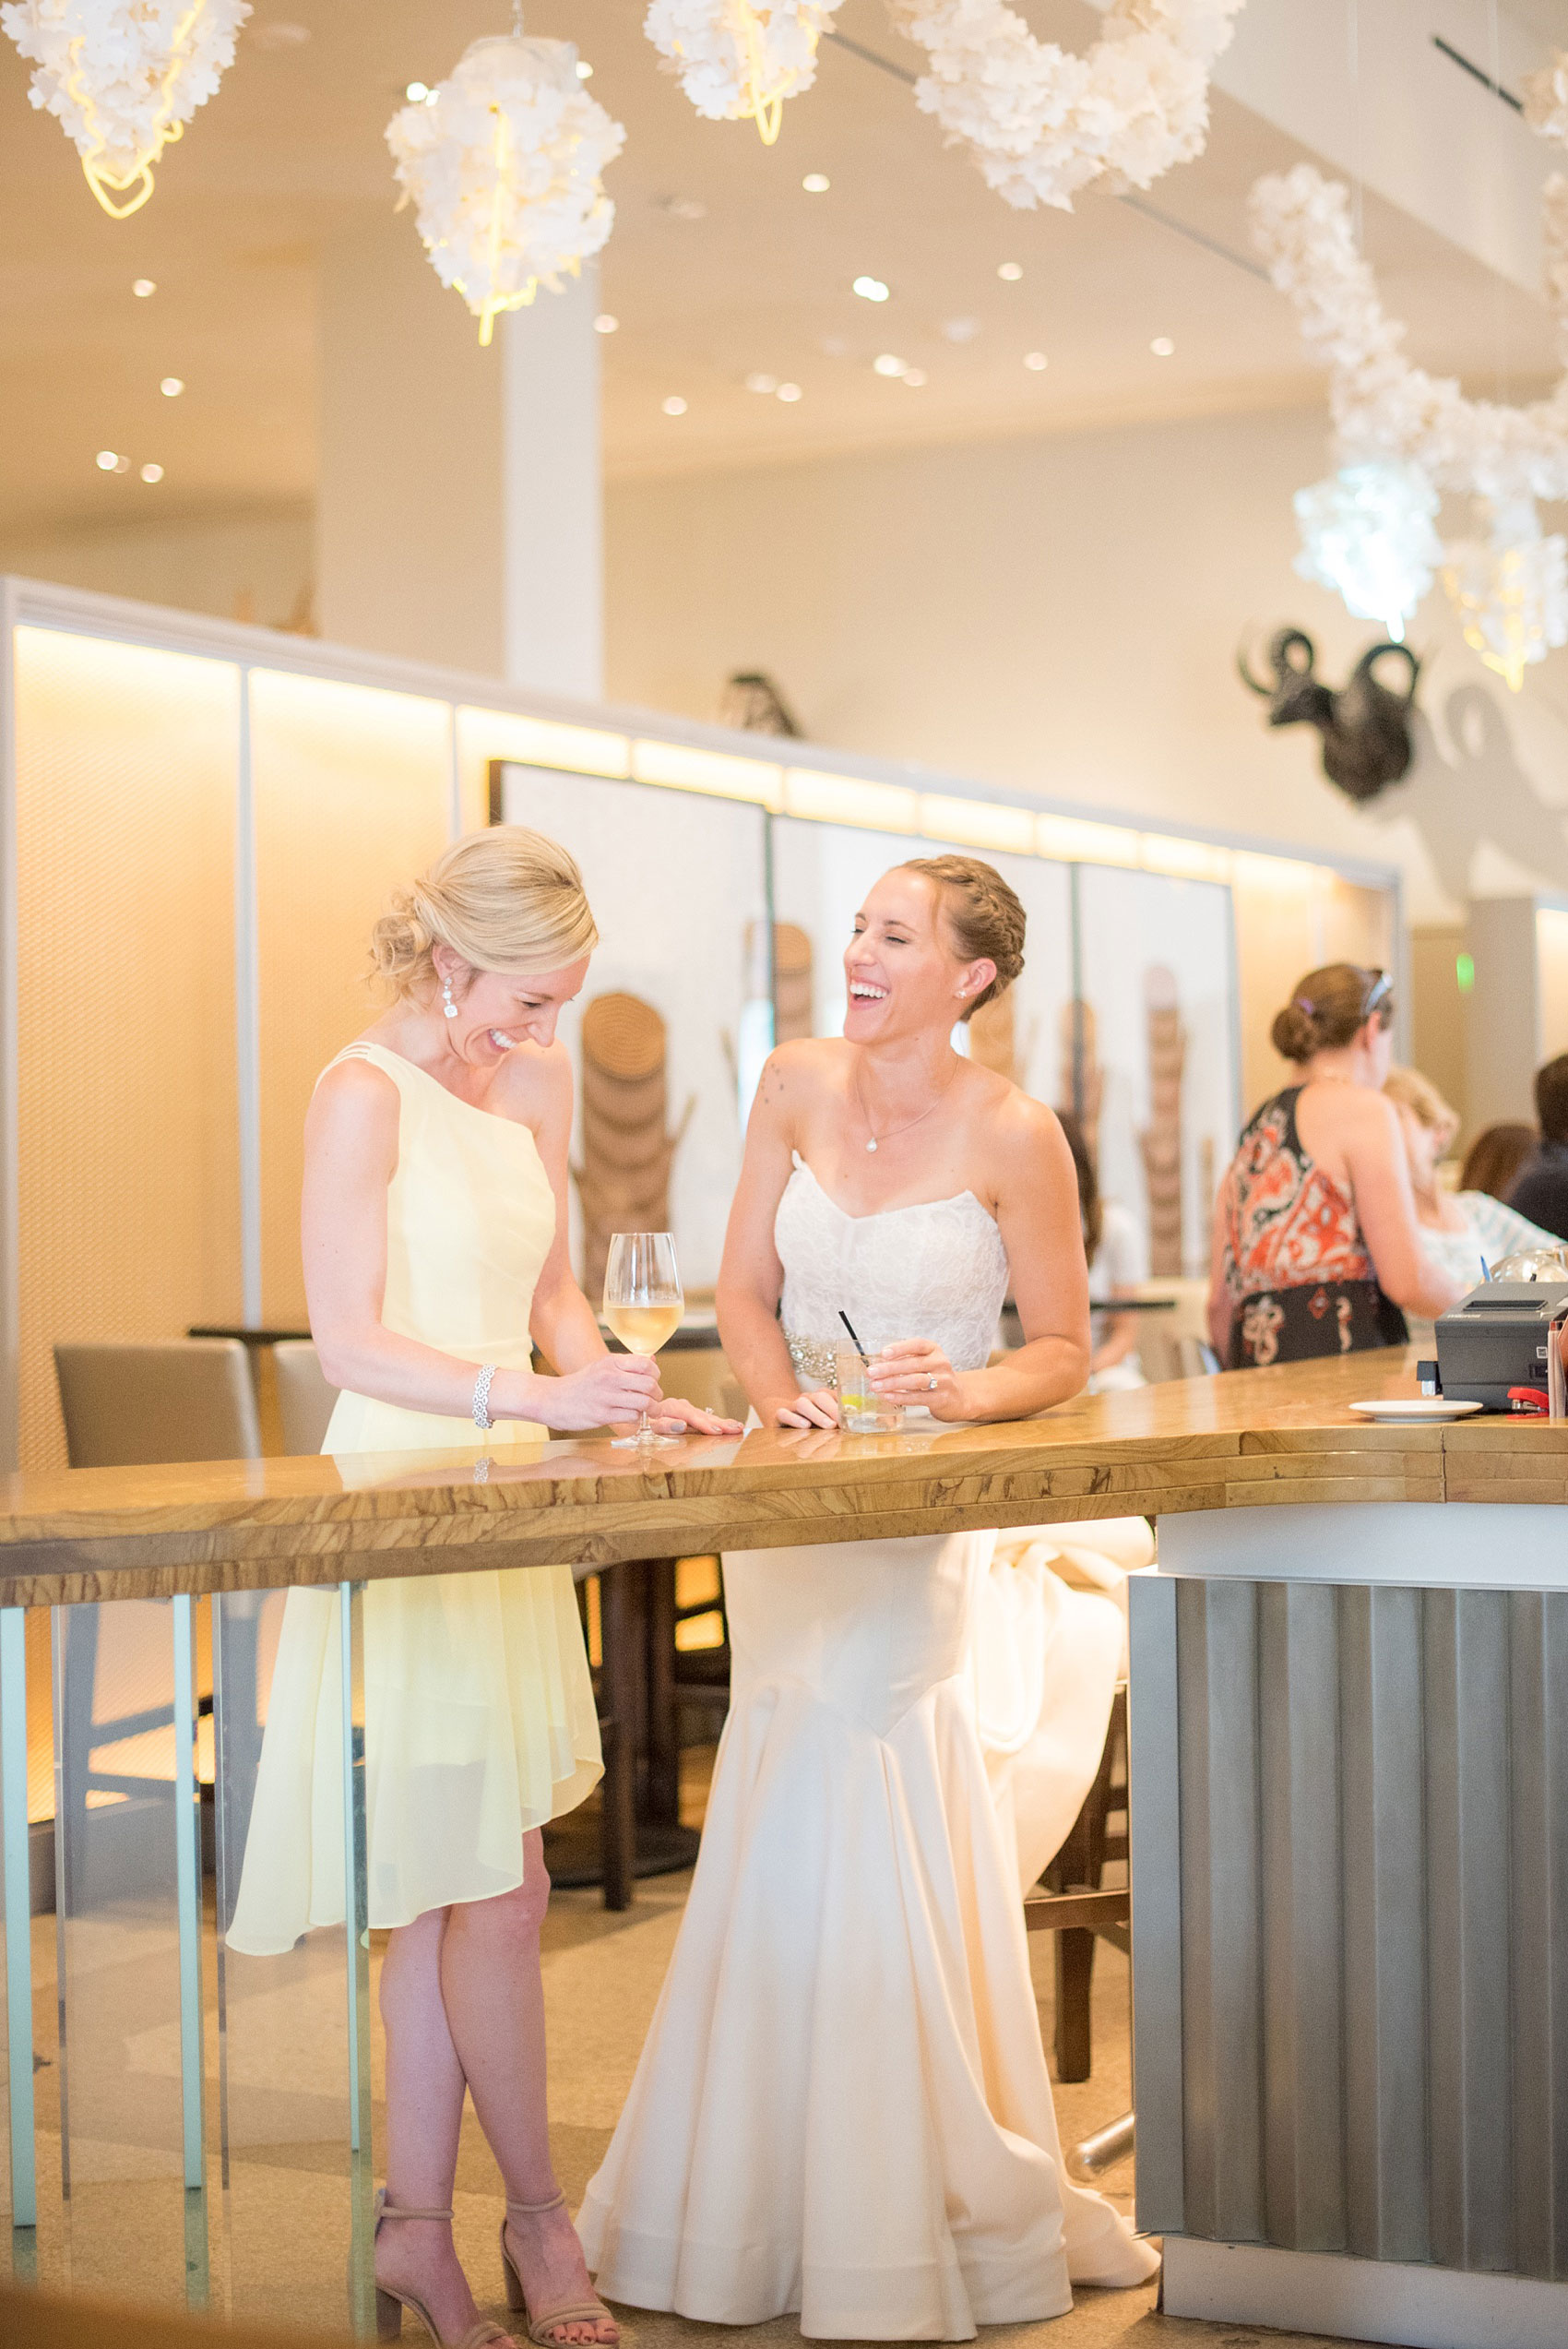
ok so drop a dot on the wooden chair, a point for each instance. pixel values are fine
(1070, 1900)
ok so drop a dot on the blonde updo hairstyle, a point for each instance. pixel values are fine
(985, 917)
(1327, 1008)
(504, 900)
(1407, 1088)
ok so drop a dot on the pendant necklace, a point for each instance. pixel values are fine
(925, 1113)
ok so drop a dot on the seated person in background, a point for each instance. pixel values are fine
(1113, 1248)
(1495, 1157)
(1541, 1188)
(1464, 1231)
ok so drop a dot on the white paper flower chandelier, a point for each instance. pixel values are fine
(741, 59)
(124, 77)
(502, 164)
(1391, 417)
(1041, 123)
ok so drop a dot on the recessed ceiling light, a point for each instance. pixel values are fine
(914, 377)
(766, 385)
(585, 71)
(674, 405)
(869, 289)
(171, 387)
(960, 330)
(279, 34)
(1036, 360)
(418, 93)
(790, 393)
(683, 208)
(605, 323)
(834, 346)
(142, 287)
(152, 473)
(884, 363)
(106, 460)
(816, 183)
(1011, 271)
(1162, 347)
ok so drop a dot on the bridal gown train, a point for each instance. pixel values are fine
(842, 2107)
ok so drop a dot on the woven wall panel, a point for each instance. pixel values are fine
(128, 1177)
(351, 789)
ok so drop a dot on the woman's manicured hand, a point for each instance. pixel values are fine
(817, 1410)
(675, 1412)
(915, 1371)
(616, 1387)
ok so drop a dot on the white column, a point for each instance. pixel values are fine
(552, 504)
(459, 503)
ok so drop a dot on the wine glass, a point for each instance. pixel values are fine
(643, 1304)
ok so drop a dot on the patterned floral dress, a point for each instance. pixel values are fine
(1301, 1282)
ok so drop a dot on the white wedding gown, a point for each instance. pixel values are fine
(842, 2107)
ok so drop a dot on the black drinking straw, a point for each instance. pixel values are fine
(850, 1326)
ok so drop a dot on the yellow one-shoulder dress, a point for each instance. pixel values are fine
(480, 1718)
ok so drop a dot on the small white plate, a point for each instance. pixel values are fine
(1394, 1408)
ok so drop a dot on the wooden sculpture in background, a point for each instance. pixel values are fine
(1161, 1142)
(624, 1181)
(792, 1013)
(993, 1038)
(1081, 1088)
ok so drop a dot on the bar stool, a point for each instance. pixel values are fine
(1072, 1901)
(142, 1405)
(304, 1399)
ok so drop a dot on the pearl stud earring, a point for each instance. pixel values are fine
(448, 1006)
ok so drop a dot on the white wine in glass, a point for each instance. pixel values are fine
(643, 1304)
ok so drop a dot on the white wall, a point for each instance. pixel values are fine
(257, 566)
(1062, 615)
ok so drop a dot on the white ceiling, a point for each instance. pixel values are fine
(291, 150)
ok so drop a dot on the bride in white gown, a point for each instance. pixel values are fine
(842, 2107)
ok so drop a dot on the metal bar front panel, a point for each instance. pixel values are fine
(1370, 1970)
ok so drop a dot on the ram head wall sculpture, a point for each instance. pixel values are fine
(1365, 726)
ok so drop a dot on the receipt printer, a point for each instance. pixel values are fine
(1494, 1346)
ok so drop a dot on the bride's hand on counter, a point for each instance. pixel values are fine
(914, 1370)
(817, 1410)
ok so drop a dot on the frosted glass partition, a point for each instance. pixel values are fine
(128, 1961)
(352, 791)
(1156, 967)
(678, 885)
(821, 875)
(128, 1144)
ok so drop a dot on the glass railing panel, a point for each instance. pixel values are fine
(122, 1764)
(289, 2167)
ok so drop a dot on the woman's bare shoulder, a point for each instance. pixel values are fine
(535, 1082)
(794, 1071)
(356, 1087)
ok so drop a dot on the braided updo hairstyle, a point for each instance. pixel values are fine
(1326, 1008)
(504, 900)
(984, 915)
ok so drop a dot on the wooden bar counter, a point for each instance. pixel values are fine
(1349, 1773)
(1261, 1439)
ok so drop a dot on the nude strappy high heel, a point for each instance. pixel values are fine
(390, 2304)
(549, 2321)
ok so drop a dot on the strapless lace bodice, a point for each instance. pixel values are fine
(937, 1271)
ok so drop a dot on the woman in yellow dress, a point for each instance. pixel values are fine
(435, 1234)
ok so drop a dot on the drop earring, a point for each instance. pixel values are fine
(448, 1006)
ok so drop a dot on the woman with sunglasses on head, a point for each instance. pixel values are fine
(1316, 1242)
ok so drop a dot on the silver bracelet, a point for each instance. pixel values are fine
(481, 1398)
